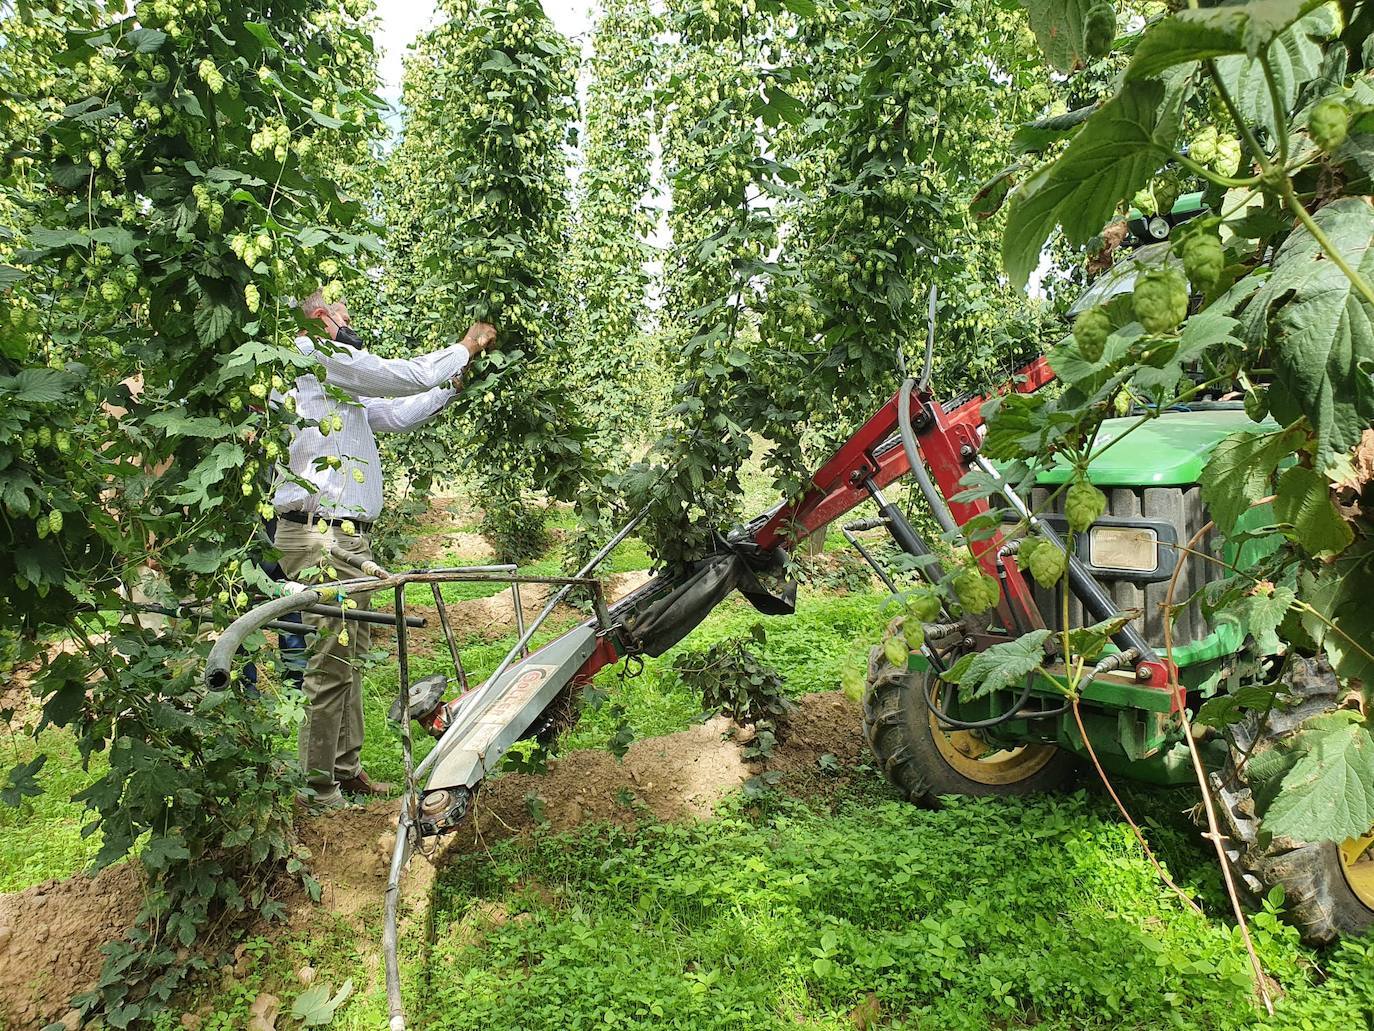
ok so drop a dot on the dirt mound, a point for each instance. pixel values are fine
(50, 935)
(824, 742)
(50, 939)
(680, 776)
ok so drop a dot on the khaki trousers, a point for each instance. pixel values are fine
(331, 738)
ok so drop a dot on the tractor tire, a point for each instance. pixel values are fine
(1328, 888)
(925, 762)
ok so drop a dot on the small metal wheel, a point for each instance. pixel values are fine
(926, 760)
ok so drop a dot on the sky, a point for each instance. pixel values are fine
(403, 20)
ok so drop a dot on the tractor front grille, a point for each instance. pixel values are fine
(1173, 514)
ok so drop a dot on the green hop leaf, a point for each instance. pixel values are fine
(1084, 504)
(1090, 331)
(1326, 795)
(976, 590)
(999, 667)
(1329, 124)
(1257, 404)
(1203, 260)
(1047, 564)
(1099, 29)
(1161, 300)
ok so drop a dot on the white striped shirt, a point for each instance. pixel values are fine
(389, 395)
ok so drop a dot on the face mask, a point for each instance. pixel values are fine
(345, 335)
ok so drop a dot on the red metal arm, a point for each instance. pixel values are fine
(948, 441)
(838, 486)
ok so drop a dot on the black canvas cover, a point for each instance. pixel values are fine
(703, 586)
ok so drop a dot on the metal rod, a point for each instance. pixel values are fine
(403, 663)
(1096, 600)
(907, 538)
(283, 627)
(867, 557)
(519, 617)
(361, 615)
(448, 636)
(400, 854)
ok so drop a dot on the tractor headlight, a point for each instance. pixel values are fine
(1124, 547)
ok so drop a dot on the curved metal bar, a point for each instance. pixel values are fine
(400, 855)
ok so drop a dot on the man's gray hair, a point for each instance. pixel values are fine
(313, 303)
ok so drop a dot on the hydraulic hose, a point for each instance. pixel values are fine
(957, 724)
(913, 458)
(222, 654)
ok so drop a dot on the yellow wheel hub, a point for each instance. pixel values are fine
(1357, 863)
(985, 763)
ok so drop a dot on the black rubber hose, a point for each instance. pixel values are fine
(992, 721)
(222, 654)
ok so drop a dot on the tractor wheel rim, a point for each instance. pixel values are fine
(1357, 864)
(970, 756)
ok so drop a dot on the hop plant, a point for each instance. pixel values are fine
(1099, 29)
(895, 650)
(924, 605)
(1227, 156)
(1202, 148)
(1083, 505)
(1090, 331)
(1161, 300)
(975, 589)
(1203, 260)
(1329, 124)
(1046, 562)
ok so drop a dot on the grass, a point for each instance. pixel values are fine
(41, 839)
(986, 914)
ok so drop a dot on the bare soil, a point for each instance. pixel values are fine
(50, 939)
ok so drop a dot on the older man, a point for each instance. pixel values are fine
(336, 485)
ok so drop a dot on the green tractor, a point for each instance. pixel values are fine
(1024, 738)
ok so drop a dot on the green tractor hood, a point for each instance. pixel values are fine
(1169, 451)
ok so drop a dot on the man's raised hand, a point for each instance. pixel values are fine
(479, 337)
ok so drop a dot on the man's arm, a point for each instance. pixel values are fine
(363, 374)
(398, 414)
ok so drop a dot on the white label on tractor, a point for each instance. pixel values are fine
(505, 708)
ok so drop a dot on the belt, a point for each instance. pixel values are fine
(361, 525)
